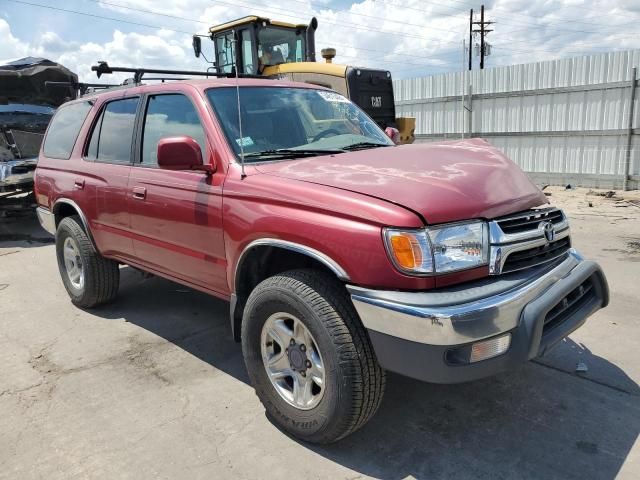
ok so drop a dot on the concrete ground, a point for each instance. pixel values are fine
(153, 386)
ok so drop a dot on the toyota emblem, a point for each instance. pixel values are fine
(549, 231)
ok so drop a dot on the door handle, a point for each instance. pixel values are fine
(78, 184)
(139, 192)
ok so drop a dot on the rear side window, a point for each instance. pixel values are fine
(113, 132)
(169, 115)
(64, 130)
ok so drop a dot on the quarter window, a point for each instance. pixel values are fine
(169, 115)
(113, 133)
(64, 130)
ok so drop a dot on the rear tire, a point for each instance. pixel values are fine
(89, 278)
(353, 382)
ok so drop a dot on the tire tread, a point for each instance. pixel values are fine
(102, 276)
(331, 303)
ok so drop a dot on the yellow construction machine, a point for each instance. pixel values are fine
(277, 49)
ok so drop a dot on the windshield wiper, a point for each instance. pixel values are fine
(293, 153)
(364, 145)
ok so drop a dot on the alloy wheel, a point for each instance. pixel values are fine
(292, 360)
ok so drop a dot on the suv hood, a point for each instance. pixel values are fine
(442, 182)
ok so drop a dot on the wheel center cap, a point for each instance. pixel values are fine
(297, 358)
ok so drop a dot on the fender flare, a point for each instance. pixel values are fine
(326, 260)
(236, 307)
(83, 218)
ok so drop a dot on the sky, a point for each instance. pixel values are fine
(411, 38)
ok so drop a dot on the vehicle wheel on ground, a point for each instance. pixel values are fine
(309, 357)
(90, 279)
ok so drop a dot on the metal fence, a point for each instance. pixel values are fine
(575, 120)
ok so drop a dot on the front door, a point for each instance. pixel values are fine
(177, 215)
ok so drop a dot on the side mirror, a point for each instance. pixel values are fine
(181, 153)
(197, 45)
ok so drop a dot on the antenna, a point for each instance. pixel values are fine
(235, 55)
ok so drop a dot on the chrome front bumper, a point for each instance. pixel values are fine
(47, 220)
(428, 335)
(460, 315)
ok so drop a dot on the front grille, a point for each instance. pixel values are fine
(530, 220)
(569, 304)
(537, 255)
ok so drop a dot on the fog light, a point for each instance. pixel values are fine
(490, 348)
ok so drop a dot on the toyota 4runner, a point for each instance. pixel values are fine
(341, 254)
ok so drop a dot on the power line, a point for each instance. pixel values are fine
(189, 33)
(340, 24)
(573, 20)
(245, 6)
(360, 27)
(157, 27)
(151, 12)
(97, 16)
(142, 10)
(402, 22)
(562, 26)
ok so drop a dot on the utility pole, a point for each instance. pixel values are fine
(483, 31)
(470, 38)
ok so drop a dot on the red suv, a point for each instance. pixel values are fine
(341, 254)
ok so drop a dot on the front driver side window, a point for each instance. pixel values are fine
(169, 115)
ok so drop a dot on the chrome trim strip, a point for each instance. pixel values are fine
(47, 220)
(83, 218)
(498, 254)
(456, 324)
(497, 236)
(503, 244)
(528, 213)
(295, 247)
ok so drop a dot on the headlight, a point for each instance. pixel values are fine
(439, 249)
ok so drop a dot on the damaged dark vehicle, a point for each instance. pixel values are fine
(30, 91)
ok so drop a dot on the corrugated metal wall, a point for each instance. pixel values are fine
(564, 121)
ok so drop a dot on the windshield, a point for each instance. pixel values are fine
(280, 45)
(300, 119)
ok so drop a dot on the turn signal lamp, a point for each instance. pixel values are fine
(407, 250)
(489, 348)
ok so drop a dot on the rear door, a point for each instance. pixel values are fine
(177, 215)
(108, 159)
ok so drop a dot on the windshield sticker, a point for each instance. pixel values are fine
(332, 97)
(244, 142)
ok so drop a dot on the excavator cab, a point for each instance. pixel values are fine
(259, 46)
(261, 43)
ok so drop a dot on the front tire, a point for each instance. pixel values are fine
(89, 278)
(309, 357)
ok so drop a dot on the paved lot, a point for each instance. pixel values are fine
(154, 387)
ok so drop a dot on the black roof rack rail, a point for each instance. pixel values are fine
(104, 68)
(82, 87)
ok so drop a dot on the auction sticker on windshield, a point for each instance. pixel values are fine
(244, 142)
(332, 97)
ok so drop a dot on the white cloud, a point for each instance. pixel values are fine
(10, 47)
(158, 50)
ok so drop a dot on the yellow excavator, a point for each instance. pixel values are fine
(277, 49)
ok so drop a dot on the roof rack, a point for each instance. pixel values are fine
(82, 87)
(104, 68)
